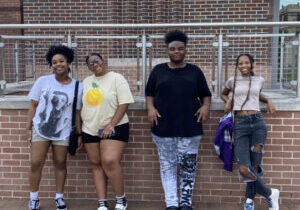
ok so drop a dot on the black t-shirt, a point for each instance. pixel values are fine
(177, 96)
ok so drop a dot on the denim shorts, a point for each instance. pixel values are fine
(38, 138)
(249, 131)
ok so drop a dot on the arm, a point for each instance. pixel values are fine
(30, 115)
(270, 106)
(202, 112)
(227, 100)
(152, 111)
(108, 130)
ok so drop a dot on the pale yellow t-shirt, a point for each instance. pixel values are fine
(101, 98)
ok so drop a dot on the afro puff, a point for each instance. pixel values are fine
(176, 36)
(60, 49)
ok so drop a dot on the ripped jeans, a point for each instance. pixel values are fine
(181, 153)
(251, 131)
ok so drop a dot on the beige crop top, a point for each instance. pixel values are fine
(241, 90)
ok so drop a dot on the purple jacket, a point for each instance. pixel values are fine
(223, 141)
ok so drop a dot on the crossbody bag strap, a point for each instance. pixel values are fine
(74, 104)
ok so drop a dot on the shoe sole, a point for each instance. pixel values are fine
(277, 192)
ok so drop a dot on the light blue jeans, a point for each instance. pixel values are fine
(178, 153)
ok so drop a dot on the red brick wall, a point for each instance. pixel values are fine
(141, 166)
(10, 13)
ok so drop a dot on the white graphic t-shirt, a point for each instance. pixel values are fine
(53, 117)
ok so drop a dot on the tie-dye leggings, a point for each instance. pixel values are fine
(177, 153)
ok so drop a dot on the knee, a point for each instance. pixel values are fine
(109, 163)
(96, 165)
(257, 148)
(60, 164)
(36, 165)
(244, 170)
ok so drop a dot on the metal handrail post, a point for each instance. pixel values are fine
(69, 44)
(76, 59)
(144, 60)
(298, 75)
(138, 66)
(33, 61)
(3, 61)
(281, 62)
(220, 54)
(16, 62)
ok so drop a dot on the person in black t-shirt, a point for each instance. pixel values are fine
(178, 101)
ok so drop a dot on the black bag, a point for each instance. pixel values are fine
(73, 139)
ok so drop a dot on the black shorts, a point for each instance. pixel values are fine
(121, 134)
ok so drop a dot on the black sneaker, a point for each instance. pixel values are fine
(186, 208)
(60, 204)
(34, 204)
(121, 204)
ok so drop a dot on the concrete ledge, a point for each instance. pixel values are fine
(282, 104)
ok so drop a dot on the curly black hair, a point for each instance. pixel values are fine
(92, 54)
(176, 36)
(59, 49)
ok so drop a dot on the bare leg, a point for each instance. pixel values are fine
(59, 160)
(100, 179)
(111, 153)
(38, 156)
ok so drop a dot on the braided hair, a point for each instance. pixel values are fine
(251, 59)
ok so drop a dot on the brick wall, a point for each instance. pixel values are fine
(141, 167)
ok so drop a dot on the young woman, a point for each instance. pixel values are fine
(49, 122)
(105, 127)
(250, 130)
(175, 92)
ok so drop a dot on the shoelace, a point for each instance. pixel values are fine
(102, 203)
(270, 203)
(34, 204)
(60, 201)
(122, 201)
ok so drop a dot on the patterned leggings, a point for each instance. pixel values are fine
(182, 153)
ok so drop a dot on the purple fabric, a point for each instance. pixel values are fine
(224, 147)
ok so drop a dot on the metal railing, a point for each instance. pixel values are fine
(144, 40)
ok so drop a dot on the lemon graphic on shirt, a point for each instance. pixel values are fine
(95, 96)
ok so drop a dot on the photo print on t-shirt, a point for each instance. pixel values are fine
(52, 120)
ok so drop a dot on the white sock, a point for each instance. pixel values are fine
(34, 195)
(123, 196)
(59, 195)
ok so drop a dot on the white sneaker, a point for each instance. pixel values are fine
(249, 204)
(273, 200)
(102, 208)
(120, 206)
(102, 205)
(34, 204)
